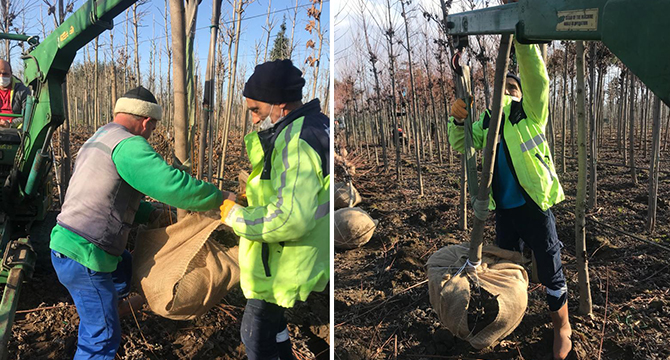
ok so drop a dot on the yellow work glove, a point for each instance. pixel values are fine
(459, 110)
(228, 209)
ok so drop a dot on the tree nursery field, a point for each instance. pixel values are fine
(382, 309)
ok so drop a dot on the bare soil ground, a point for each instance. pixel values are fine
(382, 309)
(46, 323)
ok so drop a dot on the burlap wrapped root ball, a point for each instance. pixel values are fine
(182, 270)
(480, 306)
(353, 228)
(346, 195)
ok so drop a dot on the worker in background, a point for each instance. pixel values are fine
(525, 185)
(13, 95)
(285, 230)
(114, 170)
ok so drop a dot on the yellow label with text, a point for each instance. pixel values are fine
(66, 33)
(6, 147)
(578, 20)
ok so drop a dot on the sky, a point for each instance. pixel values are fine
(152, 30)
(348, 27)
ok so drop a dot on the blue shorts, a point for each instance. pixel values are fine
(96, 296)
(537, 229)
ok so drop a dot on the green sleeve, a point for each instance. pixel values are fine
(143, 213)
(143, 169)
(82, 251)
(534, 83)
(290, 211)
(457, 134)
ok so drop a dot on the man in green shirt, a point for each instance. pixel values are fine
(114, 170)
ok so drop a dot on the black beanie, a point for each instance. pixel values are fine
(518, 80)
(139, 101)
(275, 82)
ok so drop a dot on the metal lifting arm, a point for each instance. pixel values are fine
(635, 31)
(46, 65)
(45, 68)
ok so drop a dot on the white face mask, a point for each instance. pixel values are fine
(5, 81)
(267, 123)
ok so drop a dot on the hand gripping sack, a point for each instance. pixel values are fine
(344, 194)
(481, 305)
(353, 228)
(181, 270)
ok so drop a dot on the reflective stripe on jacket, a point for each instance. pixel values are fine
(285, 231)
(524, 131)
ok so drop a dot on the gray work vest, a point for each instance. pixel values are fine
(99, 205)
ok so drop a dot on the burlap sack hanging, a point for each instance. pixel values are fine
(481, 305)
(181, 270)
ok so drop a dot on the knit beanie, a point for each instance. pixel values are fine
(518, 80)
(275, 82)
(140, 102)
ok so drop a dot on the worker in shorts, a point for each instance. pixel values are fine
(525, 185)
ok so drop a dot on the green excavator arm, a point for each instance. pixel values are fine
(635, 31)
(25, 190)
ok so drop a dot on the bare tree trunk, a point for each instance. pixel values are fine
(417, 127)
(624, 123)
(136, 23)
(231, 88)
(168, 52)
(646, 124)
(585, 305)
(373, 63)
(268, 28)
(631, 130)
(179, 70)
(653, 165)
(319, 33)
(209, 93)
(572, 117)
(445, 106)
(126, 68)
(389, 36)
(593, 143)
(66, 160)
(463, 203)
(565, 96)
(96, 101)
(291, 45)
(191, 16)
(113, 68)
(502, 61)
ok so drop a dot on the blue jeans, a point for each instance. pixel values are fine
(96, 296)
(264, 332)
(537, 229)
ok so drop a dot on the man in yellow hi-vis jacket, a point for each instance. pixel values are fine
(525, 184)
(285, 230)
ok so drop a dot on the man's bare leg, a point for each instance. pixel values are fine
(562, 333)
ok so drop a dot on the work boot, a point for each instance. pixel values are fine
(562, 333)
(129, 304)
